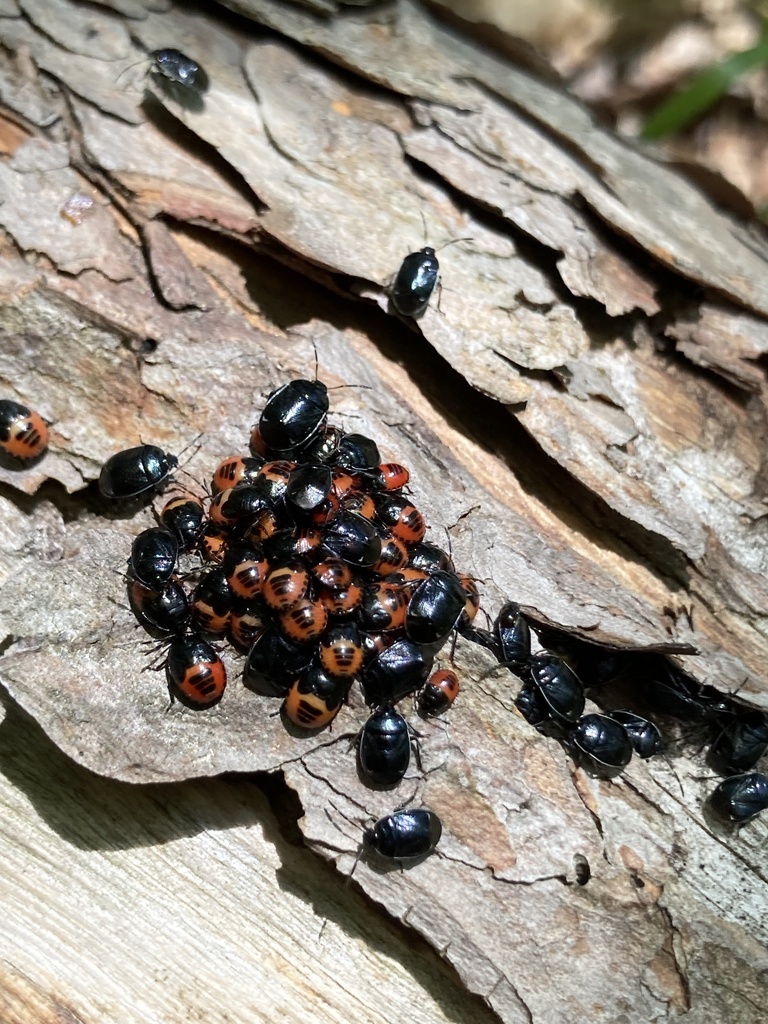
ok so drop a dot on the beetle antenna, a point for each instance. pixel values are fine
(129, 68)
(453, 241)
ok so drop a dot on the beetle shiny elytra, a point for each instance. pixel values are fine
(643, 734)
(23, 433)
(153, 557)
(415, 282)
(159, 611)
(601, 745)
(740, 745)
(135, 471)
(434, 608)
(395, 672)
(557, 687)
(293, 414)
(384, 747)
(176, 66)
(404, 835)
(739, 798)
(274, 662)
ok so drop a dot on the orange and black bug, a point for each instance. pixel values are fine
(405, 576)
(211, 603)
(265, 525)
(391, 476)
(394, 555)
(332, 573)
(285, 586)
(401, 517)
(439, 692)
(375, 643)
(363, 504)
(217, 511)
(383, 608)
(235, 470)
(313, 701)
(23, 433)
(185, 518)
(341, 650)
(342, 602)
(343, 483)
(472, 605)
(274, 477)
(195, 672)
(305, 621)
(246, 626)
(246, 568)
(213, 544)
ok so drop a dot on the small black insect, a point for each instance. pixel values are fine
(176, 66)
(434, 608)
(384, 747)
(352, 538)
(643, 735)
(136, 470)
(739, 798)
(163, 611)
(740, 745)
(514, 636)
(293, 414)
(415, 282)
(274, 663)
(395, 672)
(600, 745)
(308, 488)
(558, 688)
(357, 453)
(404, 835)
(153, 557)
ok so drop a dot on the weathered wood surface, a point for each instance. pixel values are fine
(585, 415)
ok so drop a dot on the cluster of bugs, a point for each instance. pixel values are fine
(552, 699)
(312, 561)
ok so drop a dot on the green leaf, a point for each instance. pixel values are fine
(704, 91)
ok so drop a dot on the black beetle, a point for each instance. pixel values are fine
(175, 65)
(434, 608)
(643, 735)
(601, 745)
(135, 470)
(153, 557)
(739, 798)
(404, 835)
(274, 662)
(293, 414)
(514, 636)
(162, 611)
(558, 687)
(384, 747)
(395, 672)
(352, 538)
(357, 453)
(740, 745)
(430, 558)
(307, 490)
(323, 446)
(415, 282)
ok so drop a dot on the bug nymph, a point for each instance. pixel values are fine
(23, 433)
